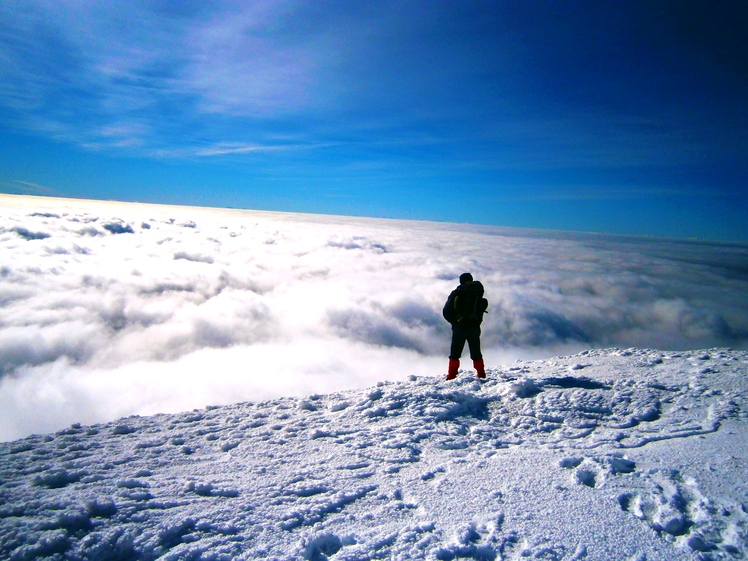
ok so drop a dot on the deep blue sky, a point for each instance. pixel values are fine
(614, 116)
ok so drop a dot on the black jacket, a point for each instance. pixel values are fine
(466, 305)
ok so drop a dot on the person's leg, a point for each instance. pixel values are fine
(455, 352)
(480, 368)
(473, 340)
(453, 368)
(459, 336)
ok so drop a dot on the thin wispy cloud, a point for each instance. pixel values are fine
(593, 193)
(238, 69)
(27, 188)
(220, 62)
(228, 148)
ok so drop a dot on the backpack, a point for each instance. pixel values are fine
(467, 305)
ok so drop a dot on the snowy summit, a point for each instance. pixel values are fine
(605, 455)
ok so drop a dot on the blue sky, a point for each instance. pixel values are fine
(623, 117)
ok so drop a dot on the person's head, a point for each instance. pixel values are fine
(465, 278)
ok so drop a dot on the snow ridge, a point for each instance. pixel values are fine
(609, 454)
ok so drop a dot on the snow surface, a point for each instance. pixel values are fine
(604, 455)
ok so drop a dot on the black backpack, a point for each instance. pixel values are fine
(467, 305)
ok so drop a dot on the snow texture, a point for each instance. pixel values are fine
(603, 455)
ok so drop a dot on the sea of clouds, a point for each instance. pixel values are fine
(111, 309)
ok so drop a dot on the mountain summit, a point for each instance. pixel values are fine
(609, 454)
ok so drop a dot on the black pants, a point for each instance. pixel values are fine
(461, 334)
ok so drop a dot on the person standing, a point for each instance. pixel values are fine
(464, 310)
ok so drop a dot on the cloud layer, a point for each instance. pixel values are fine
(110, 309)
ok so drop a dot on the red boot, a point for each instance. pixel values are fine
(454, 364)
(480, 367)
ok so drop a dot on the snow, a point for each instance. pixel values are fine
(606, 454)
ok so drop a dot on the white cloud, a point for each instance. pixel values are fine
(179, 308)
(85, 73)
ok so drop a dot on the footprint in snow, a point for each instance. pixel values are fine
(484, 541)
(322, 546)
(432, 475)
(593, 472)
(674, 507)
